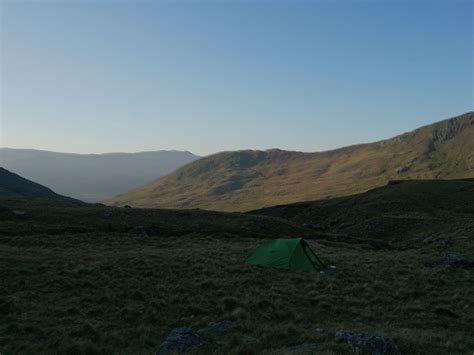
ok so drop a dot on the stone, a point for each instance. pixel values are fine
(428, 240)
(19, 213)
(368, 343)
(139, 231)
(108, 213)
(248, 339)
(402, 169)
(315, 328)
(181, 340)
(127, 206)
(217, 327)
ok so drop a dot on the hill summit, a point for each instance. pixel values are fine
(246, 180)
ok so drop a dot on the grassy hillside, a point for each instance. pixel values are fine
(92, 177)
(395, 216)
(245, 180)
(13, 185)
(74, 280)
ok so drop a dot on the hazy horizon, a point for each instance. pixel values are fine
(206, 77)
(220, 151)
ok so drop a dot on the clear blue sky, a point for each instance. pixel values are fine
(206, 76)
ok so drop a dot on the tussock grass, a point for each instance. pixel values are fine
(73, 281)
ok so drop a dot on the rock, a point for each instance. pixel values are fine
(316, 329)
(108, 213)
(402, 169)
(138, 231)
(331, 269)
(368, 343)
(127, 206)
(454, 260)
(428, 240)
(247, 340)
(302, 347)
(181, 340)
(19, 213)
(217, 327)
(221, 343)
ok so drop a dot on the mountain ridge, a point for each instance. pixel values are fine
(250, 179)
(92, 177)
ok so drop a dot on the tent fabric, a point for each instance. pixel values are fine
(291, 254)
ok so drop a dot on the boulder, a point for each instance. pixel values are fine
(139, 231)
(181, 340)
(108, 213)
(368, 343)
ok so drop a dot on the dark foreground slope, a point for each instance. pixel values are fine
(398, 215)
(13, 185)
(74, 281)
(246, 180)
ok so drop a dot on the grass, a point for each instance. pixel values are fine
(248, 180)
(73, 281)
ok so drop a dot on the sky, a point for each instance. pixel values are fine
(100, 76)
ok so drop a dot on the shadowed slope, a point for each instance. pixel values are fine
(391, 216)
(245, 180)
(13, 185)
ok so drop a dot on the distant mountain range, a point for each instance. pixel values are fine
(15, 186)
(92, 177)
(246, 180)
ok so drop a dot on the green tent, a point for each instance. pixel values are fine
(290, 254)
